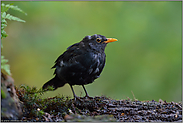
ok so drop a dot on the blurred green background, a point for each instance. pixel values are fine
(146, 59)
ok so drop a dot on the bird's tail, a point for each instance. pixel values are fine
(54, 82)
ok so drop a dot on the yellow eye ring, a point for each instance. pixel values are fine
(98, 40)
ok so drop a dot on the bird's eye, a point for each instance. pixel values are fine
(98, 40)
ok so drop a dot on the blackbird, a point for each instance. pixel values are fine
(81, 63)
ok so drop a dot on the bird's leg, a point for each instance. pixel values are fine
(86, 92)
(73, 91)
(75, 97)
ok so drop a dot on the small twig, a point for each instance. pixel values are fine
(133, 95)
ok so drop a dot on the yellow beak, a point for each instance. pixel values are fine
(110, 40)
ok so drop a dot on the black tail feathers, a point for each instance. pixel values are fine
(54, 82)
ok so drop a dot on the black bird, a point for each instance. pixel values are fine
(81, 63)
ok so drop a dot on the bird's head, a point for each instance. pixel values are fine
(97, 42)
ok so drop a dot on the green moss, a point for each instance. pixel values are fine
(3, 94)
(36, 106)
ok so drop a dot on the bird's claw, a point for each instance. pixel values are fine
(88, 97)
(77, 98)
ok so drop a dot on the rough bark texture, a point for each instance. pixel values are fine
(10, 104)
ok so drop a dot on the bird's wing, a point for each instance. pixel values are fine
(61, 57)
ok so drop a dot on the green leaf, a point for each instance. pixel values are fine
(3, 34)
(3, 21)
(11, 17)
(3, 14)
(3, 26)
(5, 68)
(6, 7)
(3, 61)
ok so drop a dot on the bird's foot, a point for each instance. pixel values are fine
(77, 98)
(88, 97)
